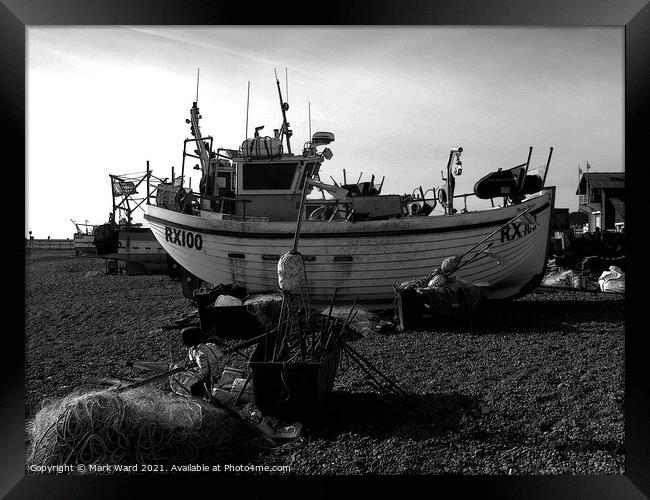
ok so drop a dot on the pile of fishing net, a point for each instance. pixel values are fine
(454, 293)
(450, 300)
(139, 426)
(438, 278)
(265, 308)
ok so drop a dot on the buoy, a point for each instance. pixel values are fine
(437, 281)
(291, 272)
(450, 264)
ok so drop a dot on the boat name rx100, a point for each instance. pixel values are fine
(184, 238)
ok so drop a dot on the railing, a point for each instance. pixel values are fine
(59, 244)
(219, 206)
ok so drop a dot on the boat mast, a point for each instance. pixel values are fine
(248, 97)
(204, 156)
(284, 106)
(203, 153)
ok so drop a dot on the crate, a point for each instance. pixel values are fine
(229, 322)
(293, 391)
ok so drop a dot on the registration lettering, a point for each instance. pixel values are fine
(184, 238)
(516, 230)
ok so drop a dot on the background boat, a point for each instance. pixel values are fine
(84, 239)
(123, 240)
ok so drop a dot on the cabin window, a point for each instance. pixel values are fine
(268, 175)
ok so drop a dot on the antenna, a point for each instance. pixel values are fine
(247, 102)
(286, 82)
(309, 108)
(197, 85)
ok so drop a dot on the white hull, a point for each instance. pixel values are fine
(362, 259)
(140, 251)
(139, 245)
(84, 244)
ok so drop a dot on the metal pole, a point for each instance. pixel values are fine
(530, 152)
(113, 196)
(148, 174)
(548, 162)
(299, 221)
(284, 114)
(248, 96)
(197, 85)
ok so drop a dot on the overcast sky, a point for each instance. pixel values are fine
(105, 100)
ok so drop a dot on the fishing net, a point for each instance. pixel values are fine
(133, 427)
(413, 284)
(456, 301)
(265, 308)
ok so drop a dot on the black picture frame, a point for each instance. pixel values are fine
(633, 15)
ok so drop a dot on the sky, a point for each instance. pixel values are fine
(105, 100)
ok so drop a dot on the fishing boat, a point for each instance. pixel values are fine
(126, 241)
(253, 204)
(84, 239)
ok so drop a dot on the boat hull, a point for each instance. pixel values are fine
(84, 244)
(361, 259)
(139, 249)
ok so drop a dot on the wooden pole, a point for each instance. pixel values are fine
(151, 379)
(496, 231)
(357, 354)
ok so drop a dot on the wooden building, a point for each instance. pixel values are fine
(602, 200)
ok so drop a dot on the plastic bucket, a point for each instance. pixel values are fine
(292, 391)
